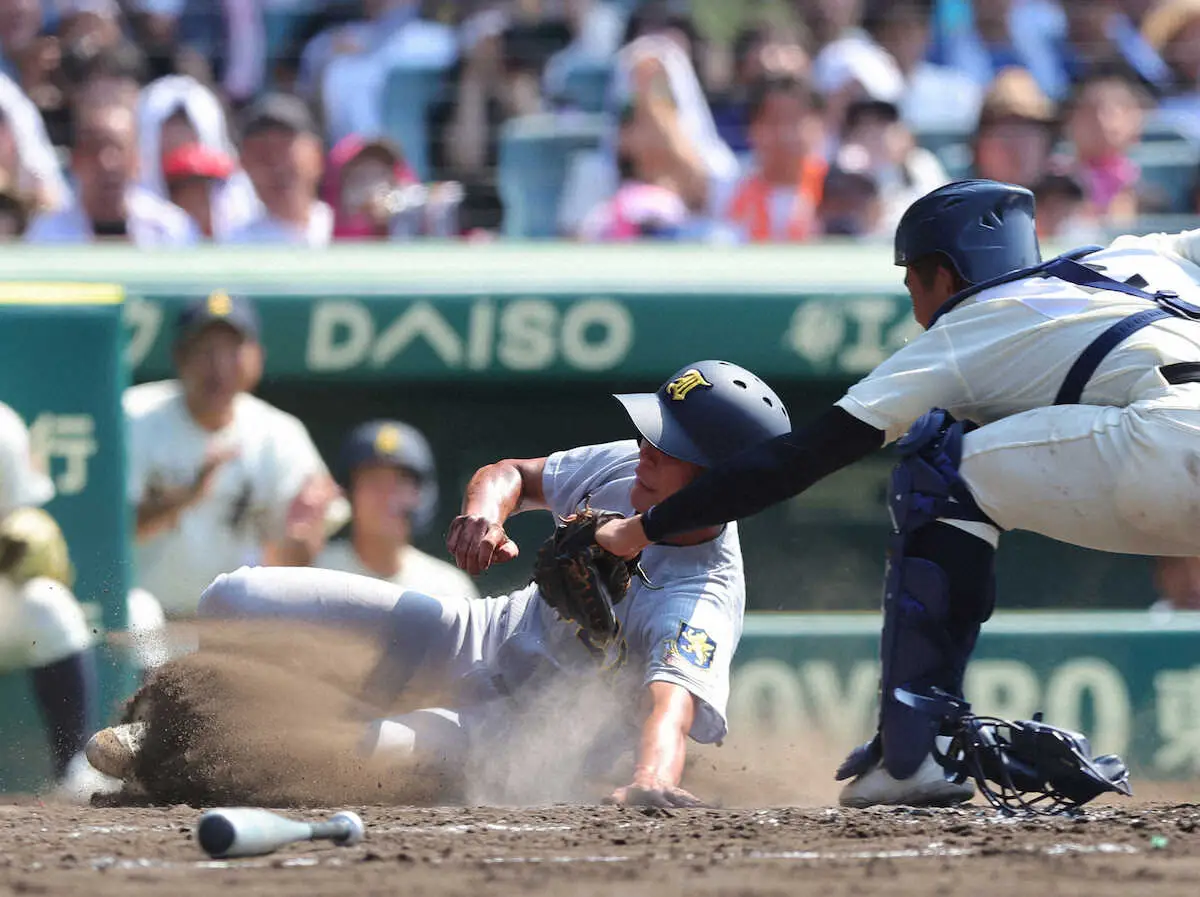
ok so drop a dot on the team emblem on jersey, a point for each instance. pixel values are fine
(387, 440)
(679, 388)
(695, 646)
(219, 303)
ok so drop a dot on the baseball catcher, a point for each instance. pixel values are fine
(659, 630)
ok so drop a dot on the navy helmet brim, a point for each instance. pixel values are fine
(659, 428)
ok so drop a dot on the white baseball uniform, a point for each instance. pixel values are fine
(1119, 472)
(250, 497)
(419, 572)
(683, 630)
(40, 620)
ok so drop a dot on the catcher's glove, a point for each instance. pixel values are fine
(579, 579)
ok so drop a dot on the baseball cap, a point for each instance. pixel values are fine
(855, 59)
(278, 110)
(195, 160)
(1014, 94)
(218, 307)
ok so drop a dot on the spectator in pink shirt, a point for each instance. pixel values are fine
(1104, 122)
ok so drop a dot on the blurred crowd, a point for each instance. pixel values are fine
(167, 122)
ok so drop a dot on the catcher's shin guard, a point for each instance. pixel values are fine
(938, 591)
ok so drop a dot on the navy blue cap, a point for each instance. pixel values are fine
(708, 412)
(400, 445)
(218, 307)
(985, 228)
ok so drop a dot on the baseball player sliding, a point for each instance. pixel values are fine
(666, 647)
(1071, 391)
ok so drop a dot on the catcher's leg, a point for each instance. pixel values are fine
(938, 591)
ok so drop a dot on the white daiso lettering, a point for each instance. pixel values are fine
(770, 697)
(612, 326)
(144, 318)
(526, 341)
(852, 334)
(816, 332)
(526, 334)
(339, 335)
(69, 438)
(419, 320)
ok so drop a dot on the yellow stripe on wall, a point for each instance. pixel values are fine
(60, 294)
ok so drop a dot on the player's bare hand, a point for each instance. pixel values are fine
(635, 795)
(305, 522)
(477, 543)
(624, 538)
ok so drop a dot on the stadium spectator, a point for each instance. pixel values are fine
(20, 23)
(758, 52)
(983, 39)
(1062, 212)
(903, 171)
(14, 212)
(936, 97)
(851, 69)
(675, 139)
(1100, 32)
(1177, 581)
(777, 200)
(647, 203)
(282, 154)
(1015, 137)
(388, 472)
(1172, 28)
(110, 205)
(1104, 122)
(224, 42)
(851, 205)
(194, 175)
(176, 111)
(31, 155)
(218, 477)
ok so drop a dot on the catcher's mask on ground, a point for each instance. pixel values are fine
(380, 443)
(1024, 765)
(708, 412)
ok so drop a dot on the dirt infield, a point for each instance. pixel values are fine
(608, 850)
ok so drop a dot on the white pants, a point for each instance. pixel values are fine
(1123, 480)
(427, 644)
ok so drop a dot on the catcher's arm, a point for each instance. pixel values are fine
(477, 538)
(662, 750)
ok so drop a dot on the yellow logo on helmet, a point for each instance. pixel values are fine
(387, 440)
(679, 388)
(219, 303)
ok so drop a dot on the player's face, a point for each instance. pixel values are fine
(658, 476)
(384, 498)
(927, 298)
(214, 366)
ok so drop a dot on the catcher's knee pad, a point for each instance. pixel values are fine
(52, 625)
(939, 586)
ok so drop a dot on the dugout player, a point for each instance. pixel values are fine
(388, 473)
(1073, 396)
(218, 477)
(670, 669)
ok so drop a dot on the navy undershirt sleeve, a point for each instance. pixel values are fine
(765, 475)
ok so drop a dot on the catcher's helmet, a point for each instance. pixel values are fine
(984, 228)
(707, 412)
(399, 445)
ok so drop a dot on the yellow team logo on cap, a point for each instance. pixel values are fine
(219, 303)
(679, 388)
(387, 440)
